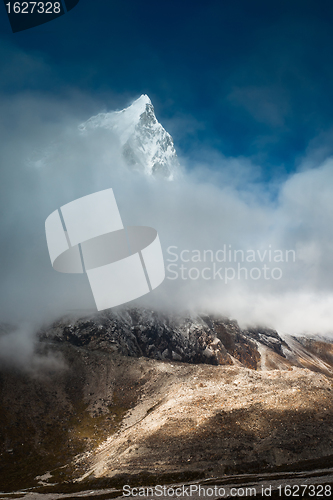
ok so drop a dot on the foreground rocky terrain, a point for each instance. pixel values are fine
(139, 396)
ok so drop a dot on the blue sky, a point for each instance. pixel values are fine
(247, 78)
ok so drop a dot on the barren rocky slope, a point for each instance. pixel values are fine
(167, 397)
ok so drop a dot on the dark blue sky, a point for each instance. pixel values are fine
(249, 78)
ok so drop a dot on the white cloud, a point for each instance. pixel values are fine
(46, 163)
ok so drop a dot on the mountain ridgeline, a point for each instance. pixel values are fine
(192, 339)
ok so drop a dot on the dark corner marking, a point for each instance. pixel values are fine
(24, 15)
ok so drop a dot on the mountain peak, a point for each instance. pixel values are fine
(139, 103)
(145, 144)
(131, 115)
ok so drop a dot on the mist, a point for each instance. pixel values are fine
(216, 204)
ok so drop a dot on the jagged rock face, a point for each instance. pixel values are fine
(269, 338)
(238, 343)
(146, 145)
(192, 339)
(139, 332)
(150, 147)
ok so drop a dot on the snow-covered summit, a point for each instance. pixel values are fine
(145, 143)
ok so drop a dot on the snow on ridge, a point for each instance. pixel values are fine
(145, 143)
(122, 122)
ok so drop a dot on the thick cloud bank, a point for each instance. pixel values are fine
(258, 252)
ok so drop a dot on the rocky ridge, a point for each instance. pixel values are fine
(191, 339)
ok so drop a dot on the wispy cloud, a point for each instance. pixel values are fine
(47, 162)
